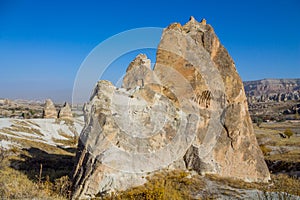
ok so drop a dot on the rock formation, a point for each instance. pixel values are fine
(49, 110)
(189, 113)
(272, 90)
(138, 72)
(65, 112)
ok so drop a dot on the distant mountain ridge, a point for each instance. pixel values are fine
(272, 90)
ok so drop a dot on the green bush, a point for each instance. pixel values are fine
(266, 151)
(288, 132)
(258, 121)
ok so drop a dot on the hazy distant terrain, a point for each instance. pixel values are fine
(272, 90)
(271, 86)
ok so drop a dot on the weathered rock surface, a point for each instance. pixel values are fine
(190, 112)
(65, 112)
(49, 110)
(138, 72)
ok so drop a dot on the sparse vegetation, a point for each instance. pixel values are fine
(283, 149)
(288, 132)
(69, 141)
(3, 155)
(278, 183)
(16, 185)
(175, 185)
(181, 185)
(32, 182)
(22, 177)
(266, 151)
(258, 121)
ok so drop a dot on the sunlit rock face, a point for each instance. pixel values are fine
(49, 109)
(65, 112)
(190, 112)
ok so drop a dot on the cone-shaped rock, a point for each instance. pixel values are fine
(49, 109)
(65, 112)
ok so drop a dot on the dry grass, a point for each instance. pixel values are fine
(69, 141)
(266, 151)
(180, 185)
(19, 171)
(33, 123)
(278, 183)
(27, 143)
(21, 126)
(8, 131)
(290, 156)
(235, 183)
(14, 184)
(284, 183)
(25, 129)
(175, 185)
(269, 138)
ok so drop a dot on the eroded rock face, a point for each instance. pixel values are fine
(49, 109)
(138, 72)
(190, 112)
(65, 112)
(272, 90)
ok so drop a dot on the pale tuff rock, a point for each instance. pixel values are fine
(189, 112)
(138, 72)
(65, 112)
(49, 110)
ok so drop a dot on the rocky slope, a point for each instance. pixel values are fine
(189, 113)
(20, 132)
(272, 90)
(273, 99)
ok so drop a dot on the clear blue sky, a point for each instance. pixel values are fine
(43, 43)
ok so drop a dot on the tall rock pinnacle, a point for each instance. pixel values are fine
(190, 113)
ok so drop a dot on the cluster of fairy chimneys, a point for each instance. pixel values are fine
(50, 111)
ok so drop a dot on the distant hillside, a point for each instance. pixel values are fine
(272, 90)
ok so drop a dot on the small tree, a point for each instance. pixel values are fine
(288, 132)
(3, 155)
(32, 112)
(297, 115)
(258, 121)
